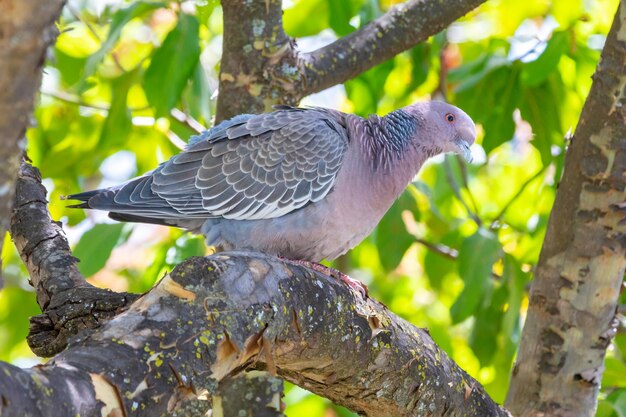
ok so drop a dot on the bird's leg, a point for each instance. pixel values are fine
(335, 273)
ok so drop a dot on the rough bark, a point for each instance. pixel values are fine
(261, 66)
(401, 28)
(69, 304)
(214, 317)
(26, 30)
(573, 299)
(259, 62)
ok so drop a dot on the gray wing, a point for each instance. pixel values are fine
(250, 167)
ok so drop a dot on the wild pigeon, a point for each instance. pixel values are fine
(302, 183)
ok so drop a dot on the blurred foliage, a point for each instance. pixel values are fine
(455, 254)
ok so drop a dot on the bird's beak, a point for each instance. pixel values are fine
(464, 149)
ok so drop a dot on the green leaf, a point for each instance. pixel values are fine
(16, 305)
(340, 14)
(369, 11)
(366, 90)
(605, 409)
(186, 246)
(70, 67)
(484, 337)
(437, 266)
(118, 122)
(540, 106)
(420, 63)
(298, 21)
(618, 400)
(197, 95)
(119, 20)
(488, 89)
(615, 370)
(620, 343)
(95, 247)
(172, 65)
(537, 71)
(515, 280)
(477, 255)
(392, 238)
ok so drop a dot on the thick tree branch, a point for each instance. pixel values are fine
(68, 302)
(212, 318)
(26, 30)
(261, 65)
(573, 298)
(401, 28)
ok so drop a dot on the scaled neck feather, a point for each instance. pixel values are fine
(388, 139)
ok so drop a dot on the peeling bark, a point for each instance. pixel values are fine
(573, 299)
(26, 30)
(261, 66)
(214, 317)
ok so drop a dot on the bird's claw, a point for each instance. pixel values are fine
(354, 284)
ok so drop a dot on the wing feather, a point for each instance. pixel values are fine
(256, 167)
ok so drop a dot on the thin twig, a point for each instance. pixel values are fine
(187, 120)
(457, 193)
(446, 252)
(515, 197)
(91, 29)
(175, 139)
(464, 178)
(176, 114)
(73, 99)
(440, 249)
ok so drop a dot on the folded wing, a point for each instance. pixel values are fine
(249, 167)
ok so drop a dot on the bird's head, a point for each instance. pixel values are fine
(448, 128)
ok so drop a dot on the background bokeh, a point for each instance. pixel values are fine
(128, 81)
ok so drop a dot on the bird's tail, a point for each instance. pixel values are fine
(127, 203)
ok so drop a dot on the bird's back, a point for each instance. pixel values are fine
(250, 167)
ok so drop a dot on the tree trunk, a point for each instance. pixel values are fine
(26, 30)
(573, 299)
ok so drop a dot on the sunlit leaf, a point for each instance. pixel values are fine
(484, 338)
(118, 122)
(119, 20)
(172, 65)
(617, 399)
(367, 89)
(515, 281)
(392, 238)
(540, 106)
(477, 255)
(96, 245)
(340, 13)
(298, 22)
(537, 71)
(488, 89)
(16, 306)
(197, 95)
(614, 372)
(438, 266)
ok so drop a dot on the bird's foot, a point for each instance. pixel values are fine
(331, 272)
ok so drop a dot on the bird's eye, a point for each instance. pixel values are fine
(450, 117)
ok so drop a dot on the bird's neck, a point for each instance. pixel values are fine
(387, 139)
(388, 144)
